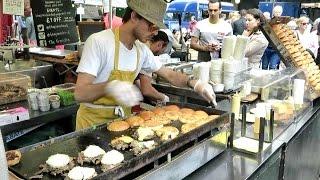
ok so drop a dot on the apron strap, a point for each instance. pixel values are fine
(116, 51)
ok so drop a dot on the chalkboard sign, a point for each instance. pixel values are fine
(54, 22)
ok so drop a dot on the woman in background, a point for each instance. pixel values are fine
(257, 41)
(306, 38)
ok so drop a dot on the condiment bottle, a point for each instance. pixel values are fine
(235, 105)
(259, 112)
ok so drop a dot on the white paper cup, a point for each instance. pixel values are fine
(33, 101)
(298, 91)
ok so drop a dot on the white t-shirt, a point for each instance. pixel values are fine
(209, 33)
(98, 57)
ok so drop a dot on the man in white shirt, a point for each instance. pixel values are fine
(208, 34)
(112, 59)
(157, 45)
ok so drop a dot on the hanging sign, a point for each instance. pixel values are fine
(13, 7)
(54, 22)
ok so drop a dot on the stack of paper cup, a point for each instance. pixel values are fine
(298, 91)
(244, 64)
(33, 101)
(230, 69)
(241, 45)
(228, 44)
(216, 71)
(43, 101)
(235, 105)
(204, 70)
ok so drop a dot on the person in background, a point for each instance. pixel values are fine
(317, 33)
(257, 41)
(210, 32)
(267, 15)
(292, 24)
(176, 34)
(240, 24)
(277, 11)
(111, 61)
(270, 58)
(308, 40)
(192, 24)
(232, 17)
(157, 45)
(116, 21)
(26, 22)
(175, 49)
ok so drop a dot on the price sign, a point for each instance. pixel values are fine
(54, 22)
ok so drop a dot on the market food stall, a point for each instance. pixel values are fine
(264, 137)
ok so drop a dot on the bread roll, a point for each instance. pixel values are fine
(13, 157)
(281, 35)
(186, 111)
(118, 126)
(146, 115)
(188, 127)
(200, 115)
(172, 115)
(152, 123)
(186, 118)
(167, 133)
(162, 119)
(135, 121)
(171, 108)
(158, 111)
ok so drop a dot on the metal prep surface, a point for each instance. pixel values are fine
(75, 142)
(233, 165)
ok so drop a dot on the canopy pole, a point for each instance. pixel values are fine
(110, 14)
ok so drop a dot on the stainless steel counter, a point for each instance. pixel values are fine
(273, 163)
(234, 165)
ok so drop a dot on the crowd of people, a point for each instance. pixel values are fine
(206, 35)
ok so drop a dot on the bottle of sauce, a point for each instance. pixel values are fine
(235, 105)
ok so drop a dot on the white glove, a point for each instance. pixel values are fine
(206, 91)
(124, 93)
(165, 98)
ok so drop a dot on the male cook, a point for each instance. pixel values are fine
(112, 59)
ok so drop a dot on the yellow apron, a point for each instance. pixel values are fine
(90, 116)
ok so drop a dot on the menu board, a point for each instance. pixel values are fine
(15, 7)
(54, 22)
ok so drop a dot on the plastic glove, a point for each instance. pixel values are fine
(206, 91)
(166, 98)
(124, 93)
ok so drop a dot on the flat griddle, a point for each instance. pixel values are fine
(75, 142)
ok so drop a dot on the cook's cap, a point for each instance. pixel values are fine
(151, 10)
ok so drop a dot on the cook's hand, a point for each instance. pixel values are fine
(206, 91)
(124, 93)
(211, 47)
(246, 33)
(165, 98)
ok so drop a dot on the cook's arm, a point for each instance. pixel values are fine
(86, 91)
(175, 78)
